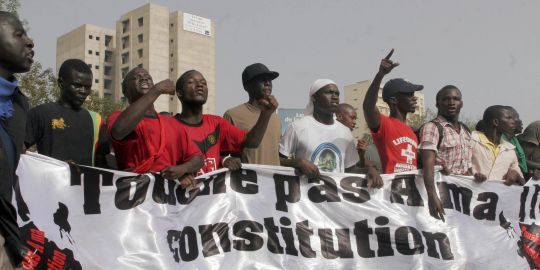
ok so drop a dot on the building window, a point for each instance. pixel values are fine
(97, 38)
(108, 56)
(97, 67)
(140, 65)
(125, 58)
(108, 40)
(107, 84)
(90, 65)
(97, 53)
(172, 25)
(171, 69)
(89, 51)
(172, 55)
(125, 26)
(140, 53)
(96, 81)
(140, 38)
(107, 95)
(125, 42)
(124, 72)
(90, 36)
(108, 71)
(141, 21)
(171, 41)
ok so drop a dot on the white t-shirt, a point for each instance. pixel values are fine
(330, 147)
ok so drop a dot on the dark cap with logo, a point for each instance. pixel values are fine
(255, 70)
(399, 85)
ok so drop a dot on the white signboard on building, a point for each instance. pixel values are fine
(197, 24)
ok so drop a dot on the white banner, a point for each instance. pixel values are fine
(265, 217)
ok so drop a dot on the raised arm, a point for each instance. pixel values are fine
(254, 137)
(132, 115)
(371, 113)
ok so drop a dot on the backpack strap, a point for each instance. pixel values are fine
(441, 132)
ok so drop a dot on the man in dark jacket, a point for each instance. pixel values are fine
(16, 56)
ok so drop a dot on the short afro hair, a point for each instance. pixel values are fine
(73, 65)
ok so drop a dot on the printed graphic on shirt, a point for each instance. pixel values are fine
(327, 157)
(210, 140)
(58, 123)
(408, 151)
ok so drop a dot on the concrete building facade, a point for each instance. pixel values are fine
(163, 42)
(94, 45)
(355, 94)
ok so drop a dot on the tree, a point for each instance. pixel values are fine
(102, 105)
(39, 85)
(11, 6)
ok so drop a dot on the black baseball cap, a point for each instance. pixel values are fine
(255, 70)
(399, 85)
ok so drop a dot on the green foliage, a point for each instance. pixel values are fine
(39, 85)
(10, 6)
(102, 105)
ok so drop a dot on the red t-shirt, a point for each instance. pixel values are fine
(213, 136)
(144, 141)
(396, 143)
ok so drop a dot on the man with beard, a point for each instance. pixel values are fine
(257, 80)
(511, 138)
(213, 134)
(492, 157)
(63, 129)
(146, 141)
(395, 140)
(446, 142)
(16, 56)
(316, 142)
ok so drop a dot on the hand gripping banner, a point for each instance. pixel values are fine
(265, 217)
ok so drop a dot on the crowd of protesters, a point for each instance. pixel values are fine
(190, 143)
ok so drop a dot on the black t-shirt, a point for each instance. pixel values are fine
(62, 133)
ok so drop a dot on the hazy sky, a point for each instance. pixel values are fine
(490, 49)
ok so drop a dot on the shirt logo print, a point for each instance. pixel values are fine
(58, 123)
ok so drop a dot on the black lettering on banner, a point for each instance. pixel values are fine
(362, 232)
(327, 192)
(457, 192)
(288, 236)
(304, 232)
(207, 238)
(247, 229)
(383, 238)
(244, 181)
(273, 240)
(91, 188)
(402, 241)
(522, 200)
(123, 188)
(191, 194)
(327, 243)
(405, 186)
(354, 184)
(486, 210)
(219, 183)
(532, 213)
(188, 247)
(444, 245)
(292, 182)
(172, 238)
(158, 193)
